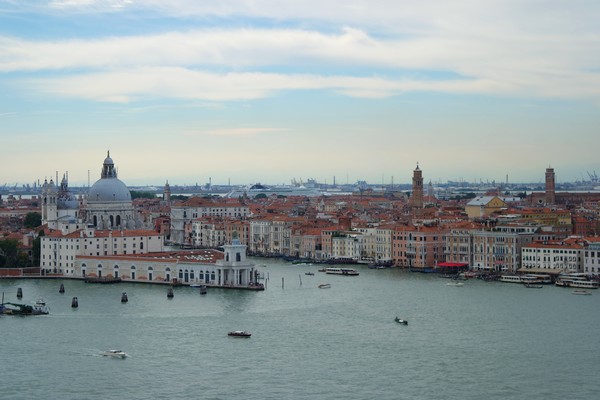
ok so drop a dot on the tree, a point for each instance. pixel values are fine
(9, 251)
(33, 220)
(136, 194)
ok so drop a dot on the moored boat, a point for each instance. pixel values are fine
(576, 281)
(39, 308)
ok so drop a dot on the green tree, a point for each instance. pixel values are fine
(9, 250)
(137, 194)
(33, 220)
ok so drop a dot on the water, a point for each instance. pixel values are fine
(484, 339)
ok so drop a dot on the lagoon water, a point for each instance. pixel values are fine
(482, 340)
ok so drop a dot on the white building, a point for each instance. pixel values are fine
(552, 257)
(60, 208)
(345, 246)
(591, 259)
(59, 250)
(107, 205)
(227, 269)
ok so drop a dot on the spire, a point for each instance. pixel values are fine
(108, 168)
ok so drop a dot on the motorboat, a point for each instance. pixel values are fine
(454, 284)
(401, 321)
(581, 292)
(309, 273)
(239, 334)
(40, 307)
(324, 286)
(115, 354)
(533, 285)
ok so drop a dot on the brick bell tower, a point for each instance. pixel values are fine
(550, 182)
(417, 189)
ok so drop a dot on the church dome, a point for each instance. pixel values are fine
(67, 202)
(109, 190)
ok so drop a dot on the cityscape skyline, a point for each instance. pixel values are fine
(269, 92)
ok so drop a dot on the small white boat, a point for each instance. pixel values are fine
(454, 284)
(324, 286)
(40, 307)
(115, 353)
(581, 292)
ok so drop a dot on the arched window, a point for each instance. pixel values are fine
(118, 220)
(112, 221)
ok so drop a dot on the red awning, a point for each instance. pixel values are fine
(452, 265)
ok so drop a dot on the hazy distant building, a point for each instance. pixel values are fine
(167, 194)
(551, 197)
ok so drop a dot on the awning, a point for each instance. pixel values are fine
(452, 265)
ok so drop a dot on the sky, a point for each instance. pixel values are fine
(242, 91)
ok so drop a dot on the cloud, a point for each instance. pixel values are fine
(180, 83)
(498, 48)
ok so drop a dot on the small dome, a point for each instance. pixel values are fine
(109, 190)
(67, 202)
